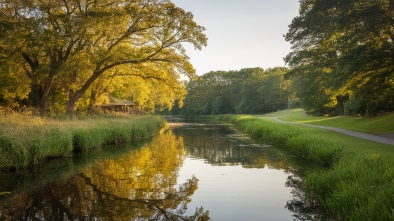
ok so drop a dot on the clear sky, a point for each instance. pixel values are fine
(241, 34)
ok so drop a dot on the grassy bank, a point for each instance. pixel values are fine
(27, 141)
(350, 183)
(295, 139)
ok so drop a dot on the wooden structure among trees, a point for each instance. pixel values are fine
(119, 105)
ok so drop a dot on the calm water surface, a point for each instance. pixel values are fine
(238, 179)
(191, 171)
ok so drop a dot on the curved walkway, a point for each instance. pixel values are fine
(347, 132)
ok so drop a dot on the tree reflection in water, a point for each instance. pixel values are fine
(221, 146)
(303, 206)
(140, 185)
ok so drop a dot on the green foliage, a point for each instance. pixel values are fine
(58, 51)
(312, 88)
(354, 106)
(250, 90)
(222, 105)
(352, 43)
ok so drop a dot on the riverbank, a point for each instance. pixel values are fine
(27, 141)
(354, 178)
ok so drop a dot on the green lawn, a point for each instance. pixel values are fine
(372, 125)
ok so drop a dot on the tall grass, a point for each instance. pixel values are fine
(22, 144)
(358, 187)
(114, 131)
(347, 185)
(295, 139)
(26, 140)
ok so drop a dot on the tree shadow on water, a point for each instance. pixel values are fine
(303, 206)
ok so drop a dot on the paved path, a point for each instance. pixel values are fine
(347, 132)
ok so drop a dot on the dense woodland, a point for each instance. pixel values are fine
(67, 56)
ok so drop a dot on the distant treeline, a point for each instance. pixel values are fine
(250, 90)
(255, 90)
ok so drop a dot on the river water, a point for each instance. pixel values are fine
(189, 172)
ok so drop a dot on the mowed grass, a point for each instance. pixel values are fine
(350, 144)
(379, 125)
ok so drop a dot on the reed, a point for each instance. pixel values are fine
(114, 131)
(22, 144)
(358, 187)
(295, 139)
(26, 140)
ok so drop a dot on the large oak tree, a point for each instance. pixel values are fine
(101, 37)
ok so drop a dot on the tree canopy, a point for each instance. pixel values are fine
(60, 49)
(347, 47)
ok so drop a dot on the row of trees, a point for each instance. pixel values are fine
(342, 56)
(250, 90)
(65, 54)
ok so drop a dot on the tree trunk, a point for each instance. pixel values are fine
(74, 97)
(71, 106)
(44, 96)
(92, 102)
(340, 106)
(37, 91)
(40, 99)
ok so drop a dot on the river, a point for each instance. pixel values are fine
(189, 172)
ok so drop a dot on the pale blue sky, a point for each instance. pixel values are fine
(241, 34)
